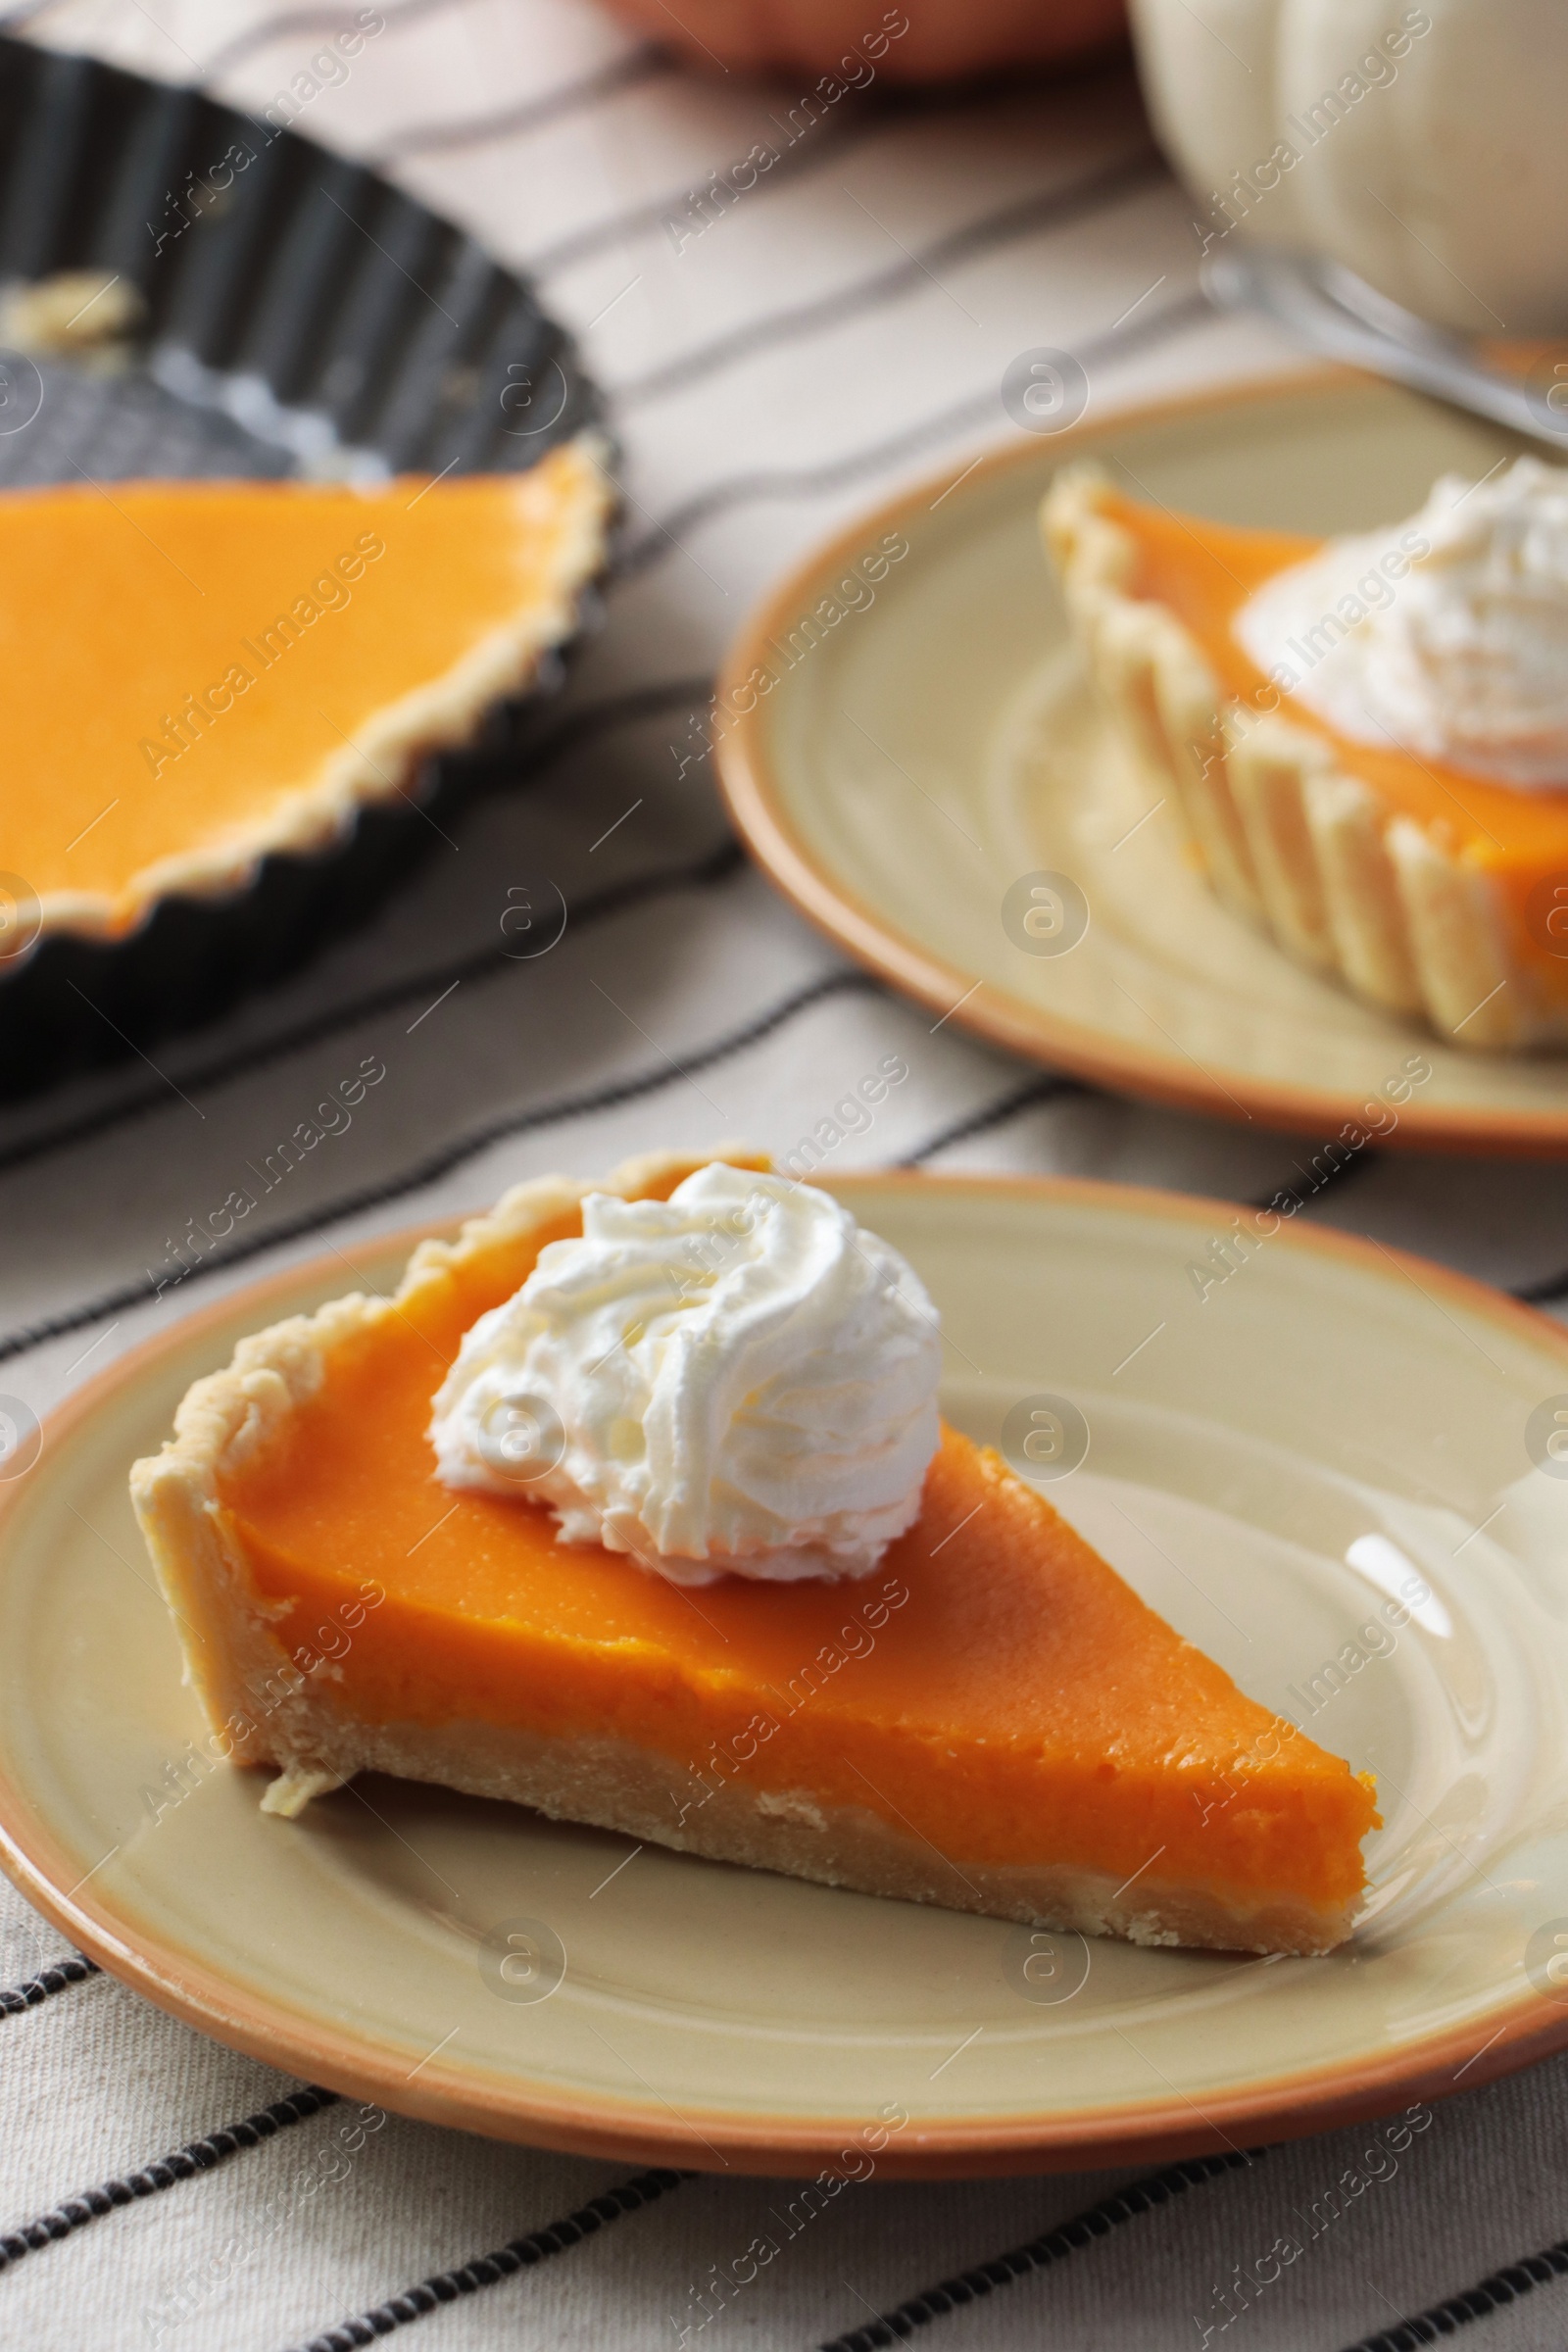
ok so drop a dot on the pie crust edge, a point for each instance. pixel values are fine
(1287, 835)
(231, 1416)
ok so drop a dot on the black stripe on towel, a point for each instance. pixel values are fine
(896, 2327)
(1338, 1172)
(524, 115)
(811, 152)
(488, 2269)
(451, 1156)
(1047, 207)
(1543, 1293)
(57, 1978)
(875, 457)
(1477, 2302)
(181, 2164)
(489, 963)
(1047, 1087)
(309, 21)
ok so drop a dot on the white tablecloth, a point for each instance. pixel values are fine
(844, 322)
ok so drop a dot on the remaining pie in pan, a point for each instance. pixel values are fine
(1366, 738)
(218, 670)
(990, 1719)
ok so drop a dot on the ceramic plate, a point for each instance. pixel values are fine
(928, 745)
(1267, 1464)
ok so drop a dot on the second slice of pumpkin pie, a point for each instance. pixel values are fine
(218, 670)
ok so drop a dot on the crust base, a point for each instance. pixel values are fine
(616, 1786)
(1289, 837)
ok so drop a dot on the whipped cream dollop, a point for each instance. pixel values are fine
(1445, 636)
(736, 1380)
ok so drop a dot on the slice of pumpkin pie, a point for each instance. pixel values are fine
(218, 670)
(1366, 738)
(633, 1506)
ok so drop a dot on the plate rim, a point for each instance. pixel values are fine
(751, 790)
(278, 2032)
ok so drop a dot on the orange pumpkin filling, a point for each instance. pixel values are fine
(993, 1687)
(196, 654)
(1204, 572)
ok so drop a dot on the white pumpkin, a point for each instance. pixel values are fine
(1424, 146)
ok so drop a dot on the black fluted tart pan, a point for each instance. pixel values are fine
(290, 314)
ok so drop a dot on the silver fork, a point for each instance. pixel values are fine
(1329, 307)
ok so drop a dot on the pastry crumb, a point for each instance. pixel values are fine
(85, 315)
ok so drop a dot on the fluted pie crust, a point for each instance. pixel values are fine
(991, 1721)
(1390, 881)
